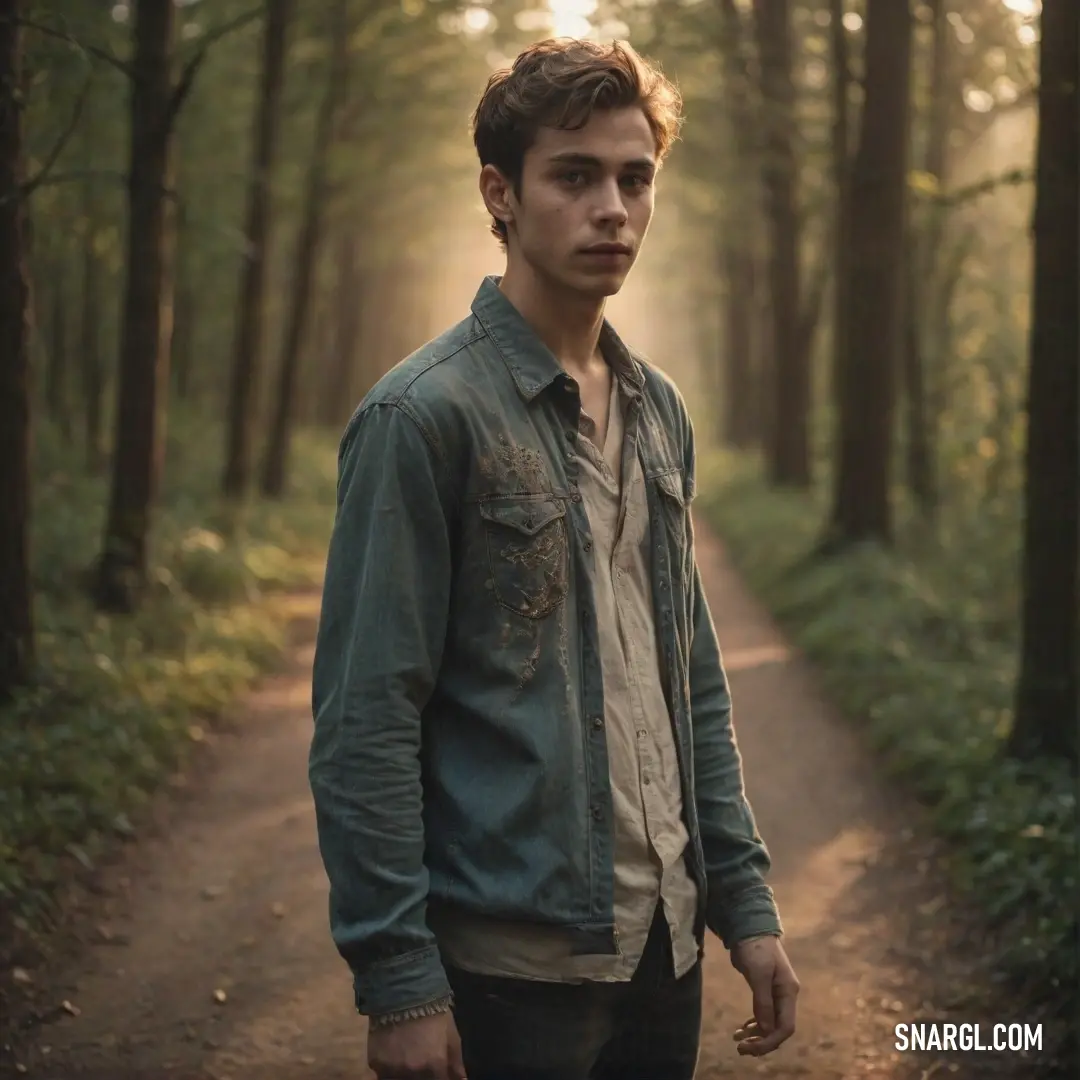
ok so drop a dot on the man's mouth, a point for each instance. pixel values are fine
(609, 249)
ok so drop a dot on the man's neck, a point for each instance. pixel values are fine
(566, 322)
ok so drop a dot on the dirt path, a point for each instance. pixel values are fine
(229, 895)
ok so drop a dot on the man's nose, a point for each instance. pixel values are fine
(610, 206)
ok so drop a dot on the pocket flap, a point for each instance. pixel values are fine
(527, 516)
(671, 484)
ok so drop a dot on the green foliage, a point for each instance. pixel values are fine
(120, 701)
(920, 656)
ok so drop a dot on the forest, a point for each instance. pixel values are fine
(221, 223)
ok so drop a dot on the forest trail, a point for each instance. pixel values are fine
(227, 894)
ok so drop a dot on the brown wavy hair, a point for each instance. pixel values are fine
(560, 83)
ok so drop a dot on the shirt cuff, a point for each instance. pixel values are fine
(432, 1008)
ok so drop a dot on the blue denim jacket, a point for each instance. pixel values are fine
(459, 749)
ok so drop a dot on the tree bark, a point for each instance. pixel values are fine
(183, 343)
(146, 332)
(738, 256)
(740, 429)
(339, 364)
(275, 462)
(841, 165)
(91, 366)
(57, 398)
(862, 507)
(789, 446)
(16, 603)
(919, 467)
(247, 354)
(1048, 690)
(924, 244)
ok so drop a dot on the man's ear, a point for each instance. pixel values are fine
(497, 194)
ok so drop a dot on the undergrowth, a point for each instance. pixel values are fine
(921, 652)
(119, 701)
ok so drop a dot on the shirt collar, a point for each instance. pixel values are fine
(531, 363)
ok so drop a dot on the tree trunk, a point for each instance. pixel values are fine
(924, 244)
(183, 343)
(1048, 691)
(57, 399)
(862, 508)
(739, 428)
(919, 468)
(147, 320)
(740, 229)
(315, 351)
(339, 380)
(789, 447)
(841, 165)
(247, 354)
(182, 346)
(16, 603)
(272, 480)
(90, 361)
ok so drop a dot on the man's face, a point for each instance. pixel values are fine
(586, 202)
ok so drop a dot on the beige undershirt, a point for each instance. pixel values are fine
(649, 834)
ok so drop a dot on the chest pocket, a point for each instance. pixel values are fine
(527, 550)
(674, 508)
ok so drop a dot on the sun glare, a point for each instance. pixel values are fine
(1027, 8)
(570, 18)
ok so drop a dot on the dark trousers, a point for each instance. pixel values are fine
(646, 1029)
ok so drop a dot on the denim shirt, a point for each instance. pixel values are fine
(459, 750)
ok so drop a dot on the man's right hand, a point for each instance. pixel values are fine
(427, 1048)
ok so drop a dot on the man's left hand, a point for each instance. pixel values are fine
(766, 968)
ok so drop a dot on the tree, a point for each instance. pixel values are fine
(91, 368)
(16, 608)
(147, 324)
(841, 173)
(872, 320)
(147, 318)
(272, 481)
(924, 243)
(1048, 690)
(247, 353)
(343, 320)
(738, 255)
(788, 422)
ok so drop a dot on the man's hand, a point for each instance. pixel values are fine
(765, 966)
(427, 1048)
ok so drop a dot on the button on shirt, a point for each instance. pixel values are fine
(649, 834)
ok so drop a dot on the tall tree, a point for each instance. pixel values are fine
(924, 243)
(1048, 691)
(57, 391)
(337, 361)
(738, 241)
(841, 156)
(91, 367)
(247, 353)
(185, 312)
(862, 508)
(16, 606)
(272, 479)
(788, 424)
(147, 316)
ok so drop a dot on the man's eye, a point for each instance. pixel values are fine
(637, 180)
(573, 177)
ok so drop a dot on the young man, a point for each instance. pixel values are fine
(529, 796)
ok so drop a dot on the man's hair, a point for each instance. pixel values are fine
(559, 83)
